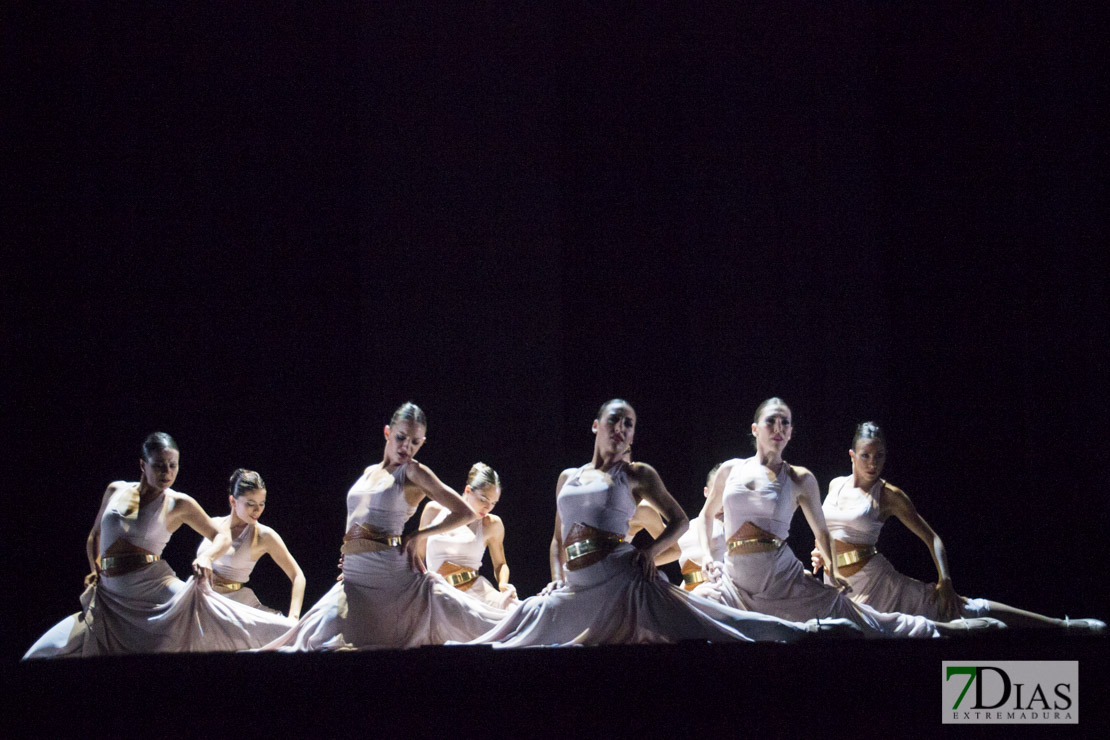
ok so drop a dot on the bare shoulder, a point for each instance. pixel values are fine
(801, 475)
(176, 498)
(416, 470)
(641, 470)
(494, 524)
(265, 533)
(115, 487)
(728, 465)
(894, 497)
(419, 475)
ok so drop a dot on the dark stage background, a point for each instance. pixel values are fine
(262, 231)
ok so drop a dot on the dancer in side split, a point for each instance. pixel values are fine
(386, 599)
(603, 589)
(855, 510)
(133, 602)
(759, 496)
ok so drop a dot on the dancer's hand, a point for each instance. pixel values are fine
(410, 545)
(92, 579)
(645, 562)
(202, 568)
(842, 583)
(816, 560)
(947, 601)
(553, 586)
(340, 576)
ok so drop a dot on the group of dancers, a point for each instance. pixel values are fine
(740, 580)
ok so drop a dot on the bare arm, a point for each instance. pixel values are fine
(809, 499)
(711, 508)
(459, 514)
(555, 553)
(431, 511)
(649, 520)
(897, 503)
(495, 542)
(647, 484)
(92, 543)
(187, 511)
(274, 546)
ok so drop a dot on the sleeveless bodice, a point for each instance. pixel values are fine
(145, 529)
(236, 563)
(690, 543)
(852, 514)
(770, 506)
(601, 500)
(378, 504)
(461, 546)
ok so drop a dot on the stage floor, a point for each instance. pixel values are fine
(827, 687)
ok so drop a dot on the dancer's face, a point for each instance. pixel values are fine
(161, 470)
(402, 441)
(250, 505)
(868, 459)
(773, 430)
(615, 429)
(483, 499)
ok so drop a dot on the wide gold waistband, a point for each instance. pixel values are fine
(221, 585)
(737, 544)
(126, 563)
(855, 556)
(461, 577)
(585, 547)
(694, 577)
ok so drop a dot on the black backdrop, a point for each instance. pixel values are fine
(262, 231)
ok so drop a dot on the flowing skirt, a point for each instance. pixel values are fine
(383, 603)
(878, 585)
(611, 602)
(247, 596)
(151, 610)
(776, 583)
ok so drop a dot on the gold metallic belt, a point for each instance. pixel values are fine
(694, 577)
(736, 544)
(585, 547)
(855, 556)
(126, 563)
(227, 586)
(461, 577)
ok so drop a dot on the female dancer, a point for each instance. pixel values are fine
(604, 590)
(759, 496)
(855, 510)
(133, 602)
(250, 541)
(691, 553)
(385, 598)
(457, 555)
